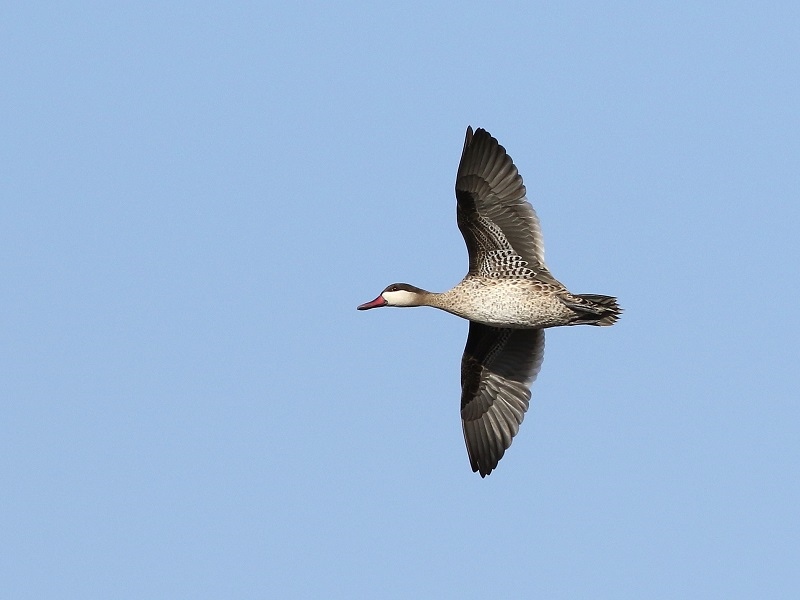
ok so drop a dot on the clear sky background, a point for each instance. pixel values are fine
(195, 196)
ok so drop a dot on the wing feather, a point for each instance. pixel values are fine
(488, 185)
(497, 370)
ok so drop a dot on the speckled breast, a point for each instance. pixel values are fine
(516, 303)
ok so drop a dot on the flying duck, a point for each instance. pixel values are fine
(508, 295)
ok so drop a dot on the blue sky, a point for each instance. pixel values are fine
(194, 197)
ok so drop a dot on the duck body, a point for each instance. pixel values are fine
(508, 296)
(514, 303)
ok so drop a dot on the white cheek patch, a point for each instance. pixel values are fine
(399, 298)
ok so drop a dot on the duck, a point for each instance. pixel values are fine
(508, 296)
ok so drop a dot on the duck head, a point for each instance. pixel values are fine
(397, 294)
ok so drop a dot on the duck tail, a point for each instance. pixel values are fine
(594, 309)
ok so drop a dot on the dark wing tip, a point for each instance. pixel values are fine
(480, 132)
(468, 138)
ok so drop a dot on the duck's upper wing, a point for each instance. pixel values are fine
(497, 370)
(498, 223)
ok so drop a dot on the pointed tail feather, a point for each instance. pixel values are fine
(594, 309)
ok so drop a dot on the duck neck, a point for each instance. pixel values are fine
(445, 301)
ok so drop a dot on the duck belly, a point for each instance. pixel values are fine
(517, 304)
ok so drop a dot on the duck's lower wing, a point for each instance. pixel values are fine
(497, 370)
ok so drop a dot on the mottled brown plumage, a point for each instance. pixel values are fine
(508, 295)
